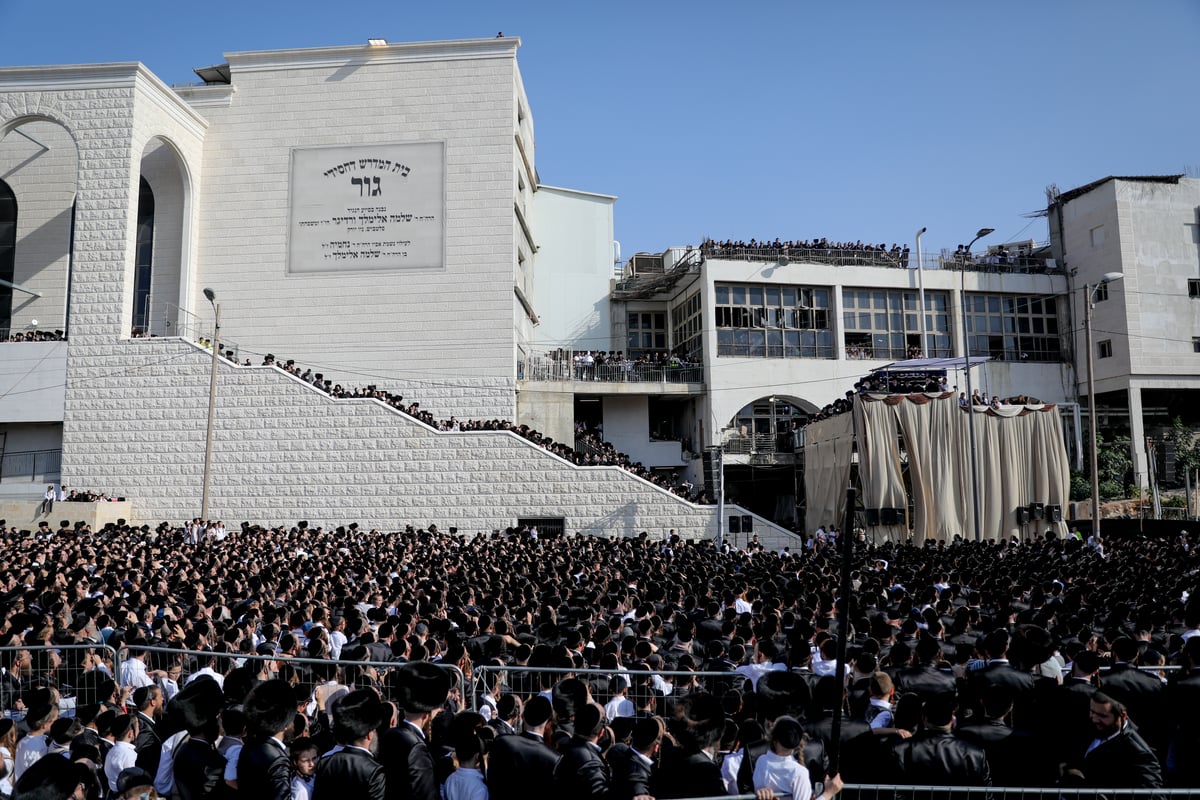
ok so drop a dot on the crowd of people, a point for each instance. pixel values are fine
(299, 662)
(818, 251)
(9, 335)
(998, 259)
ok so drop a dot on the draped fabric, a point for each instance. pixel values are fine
(879, 465)
(828, 449)
(1020, 454)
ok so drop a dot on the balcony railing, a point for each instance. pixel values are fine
(755, 443)
(547, 368)
(853, 257)
(31, 466)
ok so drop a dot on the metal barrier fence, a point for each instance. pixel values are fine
(882, 791)
(836, 256)
(60, 666)
(31, 465)
(551, 368)
(189, 661)
(170, 320)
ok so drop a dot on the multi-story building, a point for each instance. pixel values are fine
(1146, 325)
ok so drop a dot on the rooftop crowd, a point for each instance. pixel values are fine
(319, 658)
(818, 251)
(7, 335)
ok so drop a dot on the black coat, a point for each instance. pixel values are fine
(199, 771)
(1144, 695)
(352, 772)
(148, 744)
(631, 775)
(520, 767)
(927, 681)
(934, 757)
(1019, 684)
(1123, 762)
(407, 764)
(694, 775)
(581, 772)
(1013, 756)
(264, 771)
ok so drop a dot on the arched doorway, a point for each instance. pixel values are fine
(157, 286)
(39, 167)
(759, 456)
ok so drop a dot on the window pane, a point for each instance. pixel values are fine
(789, 297)
(738, 295)
(633, 321)
(772, 296)
(757, 343)
(722, 294)
(849, 319)
(821, 298)
(660, 320)
(756, 296)
(848, 299)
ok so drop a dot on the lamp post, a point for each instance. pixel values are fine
(921, 293)
(962, 291)
(1093, 413)
(212, 402)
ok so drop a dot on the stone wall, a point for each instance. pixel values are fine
(284, 451)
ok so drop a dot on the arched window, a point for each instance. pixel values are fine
(8, 254)
(143, 258)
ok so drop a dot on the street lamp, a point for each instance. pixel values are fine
(962, 291)
(921, 293)
(211, 296)
(1093, 413)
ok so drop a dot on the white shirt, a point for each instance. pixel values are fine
(302, 788)
(784, 775)
(337, 640)
(730, 764)
(619, 706)
(133, 673)
(164, 779)
(29, 751)
(465, 784)
(122, 756)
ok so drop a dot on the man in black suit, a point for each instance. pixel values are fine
(198, 769)
(582, 771)
(1118, 758)
(1141, 693)
(998, 672)
(420, 689)
(508, 712)
(691, 770)
(264, 769)
(149, 703)
(353, 771)
(1183, 756)
(522, 766)
(633, 764)
(928, 678)
(934, 756)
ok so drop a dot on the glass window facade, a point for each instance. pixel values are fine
(1013, 328)
(884, 323)
(647, 332)
(687, 325)
(773, 321)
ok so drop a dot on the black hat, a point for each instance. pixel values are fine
(199, 702)
(270, 707)
(781, 693)
(6, 725)
(421, 687)
(120, 725)
(133, 777)
(356, 715)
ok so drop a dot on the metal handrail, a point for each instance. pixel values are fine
(551, 366)
(32, 465)
(168, 320)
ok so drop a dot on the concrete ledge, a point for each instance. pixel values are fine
(24, 513)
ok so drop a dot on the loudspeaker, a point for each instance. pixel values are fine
(735, 524)
(1037, 511)
(747, 523)
(1054, 513)
(891, 516)
(1022, 515)
(872, 517)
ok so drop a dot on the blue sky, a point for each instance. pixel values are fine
(851, 120)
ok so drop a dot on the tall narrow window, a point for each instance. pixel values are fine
(143, 258)
(8, 254)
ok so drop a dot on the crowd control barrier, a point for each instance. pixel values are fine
(61, 666)
(881, 791)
